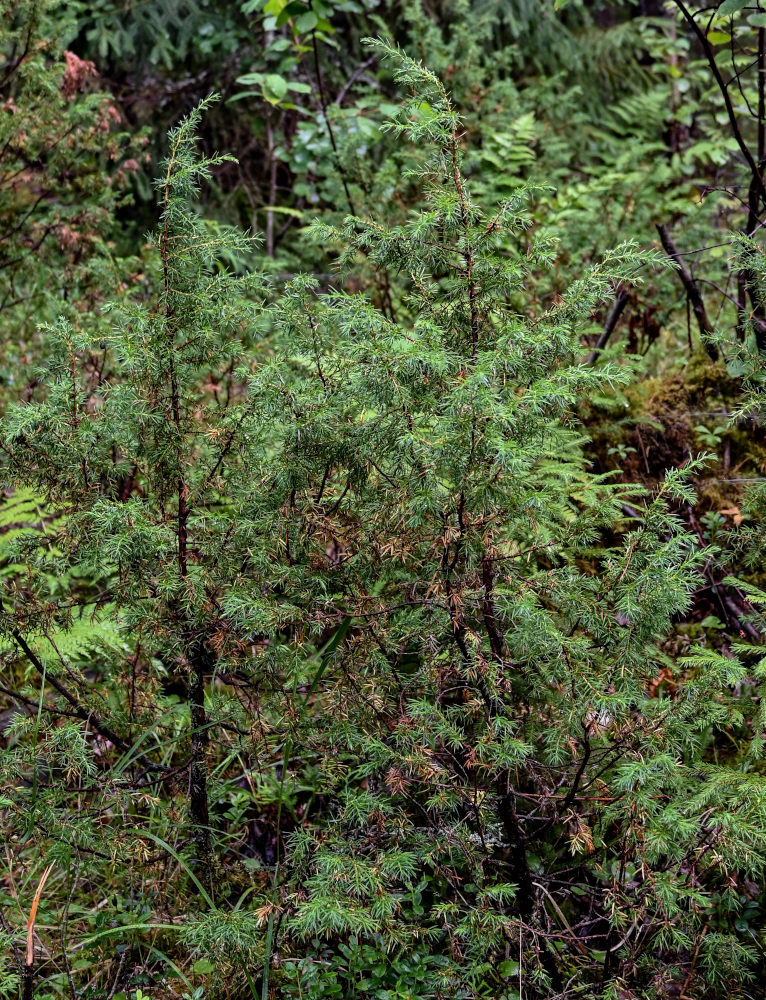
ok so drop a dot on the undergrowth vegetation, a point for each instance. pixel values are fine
(381, 547)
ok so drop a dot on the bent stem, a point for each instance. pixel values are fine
(29, 960)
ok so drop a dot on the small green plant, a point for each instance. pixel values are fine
(621, 450)
(710, 438)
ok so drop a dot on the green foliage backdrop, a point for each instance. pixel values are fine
(381, 544)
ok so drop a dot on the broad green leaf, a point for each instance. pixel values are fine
(306, 22)
(275, 87)
(203, 967)
(293, 9)
(733, 6)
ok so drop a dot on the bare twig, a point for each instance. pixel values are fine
(612, 319)
(62, 931)
(692, 291)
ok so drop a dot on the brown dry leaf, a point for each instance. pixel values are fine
(733, 513)
(30, 955)
(76, 73)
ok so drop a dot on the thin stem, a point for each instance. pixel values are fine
(328, 123)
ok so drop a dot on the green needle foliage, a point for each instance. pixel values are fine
(139, 434)
(495, 749)
(380, 657)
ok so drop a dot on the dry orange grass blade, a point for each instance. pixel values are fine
(30, 958)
